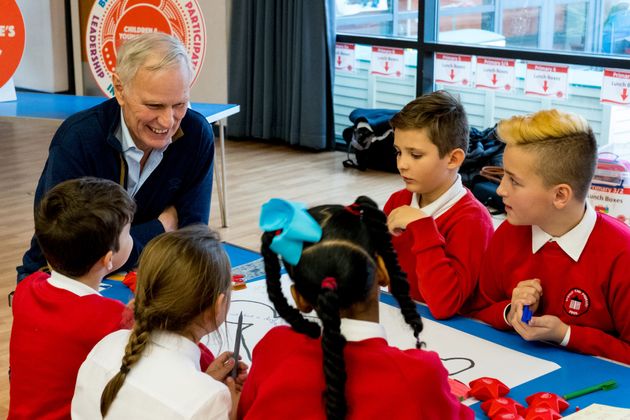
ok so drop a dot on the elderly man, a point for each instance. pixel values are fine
(145, 138)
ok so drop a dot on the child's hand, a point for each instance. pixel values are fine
(400, 217)
(526, 292)
(221, 369)
(241, 375)
(222, 366)
(541, 328)
(235, 394)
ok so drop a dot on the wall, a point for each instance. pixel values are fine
(211, 85)
(44, 65)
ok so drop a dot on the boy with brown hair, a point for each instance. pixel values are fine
(82, 226)
(440, 229)
(554, 253)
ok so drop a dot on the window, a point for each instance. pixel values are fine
(391, 18)
(587, 36)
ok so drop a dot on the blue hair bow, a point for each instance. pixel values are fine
(296, 224)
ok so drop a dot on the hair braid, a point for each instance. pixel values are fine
(376, 222)
(333, 344)
(274, 290)
(138, 340)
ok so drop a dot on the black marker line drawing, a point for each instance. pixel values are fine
(471, 364)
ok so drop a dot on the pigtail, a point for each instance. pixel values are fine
(376, 222)
(138, 340)
(274, 291)
(333, 343)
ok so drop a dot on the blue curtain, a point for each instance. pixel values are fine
(281, 70)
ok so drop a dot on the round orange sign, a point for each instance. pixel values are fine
(11, 39)
(111, 22)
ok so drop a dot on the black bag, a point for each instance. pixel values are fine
(371, 140)
(484, 188)
(484, 149)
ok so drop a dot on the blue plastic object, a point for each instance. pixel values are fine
(296, 224)
(527, 314)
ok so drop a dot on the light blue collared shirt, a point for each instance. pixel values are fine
(133, 156)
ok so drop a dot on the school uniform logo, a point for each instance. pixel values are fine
(576, 302)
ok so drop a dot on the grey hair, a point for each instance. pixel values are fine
(136, 52)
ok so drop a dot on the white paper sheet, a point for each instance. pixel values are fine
(465, 356)
(600, 412)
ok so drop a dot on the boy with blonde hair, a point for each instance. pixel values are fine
(440, 229)
(554, 253)
(82, 227)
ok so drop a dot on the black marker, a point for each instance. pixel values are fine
(237, 344)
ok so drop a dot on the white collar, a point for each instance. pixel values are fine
(178, 344)
(126, 141)
(60, 281)
(572, 242)
(356, 330)
(444, 202)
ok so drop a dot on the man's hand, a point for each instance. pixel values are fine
(400, 217)
(169, 219)
(541, 328)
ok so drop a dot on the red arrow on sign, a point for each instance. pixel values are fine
(386, 65)
(494, 78)
(452, 74)
(339, 60)
(545, 86)
(624, 93)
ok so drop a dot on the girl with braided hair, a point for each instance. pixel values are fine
(338, 258)
(182, 294)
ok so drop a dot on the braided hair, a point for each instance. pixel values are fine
(334, 274)
(181, 274)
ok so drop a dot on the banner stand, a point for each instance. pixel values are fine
(7, 92)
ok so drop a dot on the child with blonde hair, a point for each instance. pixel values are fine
(555, 256)
(153, 371)
(338, 258)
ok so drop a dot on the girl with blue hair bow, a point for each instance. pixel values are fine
(338, 257)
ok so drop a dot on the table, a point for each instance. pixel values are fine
(576, 371)
(60, 107)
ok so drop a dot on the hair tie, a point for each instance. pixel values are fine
(354, 209)
(329, 283)
(124, 369)
(292, 225)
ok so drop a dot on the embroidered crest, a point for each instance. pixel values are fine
(576, 302)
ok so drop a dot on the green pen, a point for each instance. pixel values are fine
(604, 386)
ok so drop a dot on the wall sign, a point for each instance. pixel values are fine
(113, 21)
(616, 87)
(345, 58)
(547, 80)
(453, 69)
(495, 74)
(388, 62)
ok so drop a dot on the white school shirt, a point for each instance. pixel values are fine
(60, 281)
(166, 383)
(358, 330)
(444, 202)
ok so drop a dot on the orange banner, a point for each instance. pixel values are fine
(11, 39)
